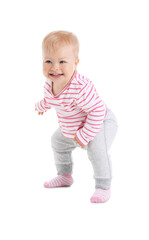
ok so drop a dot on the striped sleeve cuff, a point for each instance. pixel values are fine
(81, 138)
(40, 106)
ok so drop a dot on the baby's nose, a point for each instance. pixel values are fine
(55, 66)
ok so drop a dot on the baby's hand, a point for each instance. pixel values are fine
(40, 113)
(75, 138)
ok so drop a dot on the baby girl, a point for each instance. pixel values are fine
(84, 119)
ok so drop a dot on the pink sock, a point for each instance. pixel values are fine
(100, 196)
(60, 181)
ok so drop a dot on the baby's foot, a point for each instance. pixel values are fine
(100, 196)
(60, 181)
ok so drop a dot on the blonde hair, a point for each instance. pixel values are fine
(60, 38)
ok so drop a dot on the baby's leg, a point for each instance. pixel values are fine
(62, 148)
(98, 153)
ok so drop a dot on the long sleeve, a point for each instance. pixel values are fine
(90, 102)
(43, 105)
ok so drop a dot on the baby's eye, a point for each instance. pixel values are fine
(62, 61)
(48, 61)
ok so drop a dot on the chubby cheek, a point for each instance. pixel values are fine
(68, 70)
(45, 71)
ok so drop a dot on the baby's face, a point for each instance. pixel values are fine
(60, 65)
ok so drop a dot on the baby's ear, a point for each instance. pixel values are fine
(76, 61)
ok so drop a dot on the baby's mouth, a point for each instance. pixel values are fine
(56, 75)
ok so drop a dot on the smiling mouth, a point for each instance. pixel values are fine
(56, 75)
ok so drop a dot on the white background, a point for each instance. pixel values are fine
(114, 54)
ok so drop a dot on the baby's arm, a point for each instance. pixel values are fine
(90, 102)
(43, 105)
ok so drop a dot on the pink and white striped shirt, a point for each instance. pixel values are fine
(79, 108)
